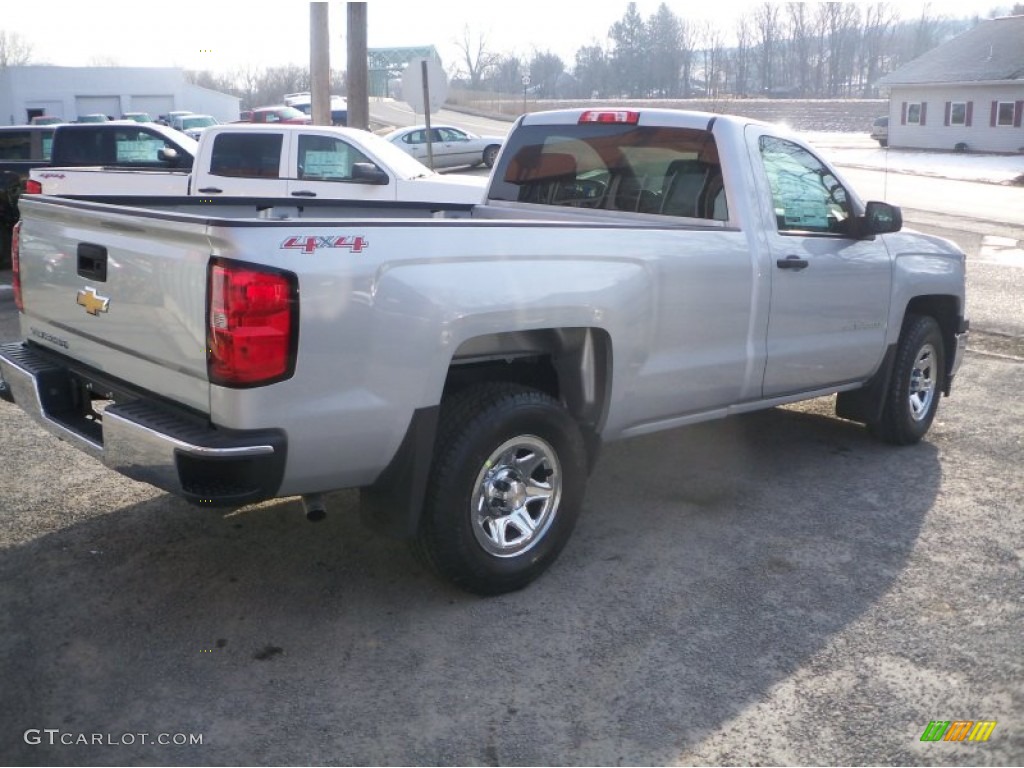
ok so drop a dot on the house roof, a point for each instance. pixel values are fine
(993, 50)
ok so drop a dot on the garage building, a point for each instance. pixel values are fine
(69, 92)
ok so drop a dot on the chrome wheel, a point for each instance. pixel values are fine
(923, 376)
(516, 496)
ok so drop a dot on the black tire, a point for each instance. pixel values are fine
(490, 155)
(883, 143)
(472, 531)
(918, 376)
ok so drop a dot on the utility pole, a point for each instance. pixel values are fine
(319, 64)
(357, 76)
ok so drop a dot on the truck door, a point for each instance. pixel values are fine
(328, 166)
(830, 291)
(244, 164)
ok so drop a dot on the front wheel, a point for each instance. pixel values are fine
(506, 487)
(917, 380)
(490, 155)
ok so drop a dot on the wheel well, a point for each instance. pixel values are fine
(573, 365)
(946, 311)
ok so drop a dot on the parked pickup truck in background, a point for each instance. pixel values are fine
(24, 148)
(297, 161)
(630, 271)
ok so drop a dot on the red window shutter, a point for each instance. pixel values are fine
(970, 113)
(903, 114)
(924, 112)
(949, 108)
(995, 111)
(1018, 108)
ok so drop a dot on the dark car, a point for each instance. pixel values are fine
(22, 148)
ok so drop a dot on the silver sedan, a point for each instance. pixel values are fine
(451, 146)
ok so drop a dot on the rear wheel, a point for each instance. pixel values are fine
(916, 385)
(505, 489)
(490, 155)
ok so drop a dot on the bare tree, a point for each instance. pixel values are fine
(879, 22)
(766, 21)
(842, 22)
(687, 48)
(712, 50)
(15, 50)
(741, 58)
(247, 79)
(478, 61)
(800, 39)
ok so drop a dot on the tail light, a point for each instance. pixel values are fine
(33, 187)
(16, 267)
(252, 324)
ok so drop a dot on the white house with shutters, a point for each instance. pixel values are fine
(70, 92)
(968, 91)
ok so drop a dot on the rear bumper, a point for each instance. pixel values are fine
(143, 438)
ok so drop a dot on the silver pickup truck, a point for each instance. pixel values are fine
(630, 271)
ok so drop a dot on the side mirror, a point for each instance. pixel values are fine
(881, 218)
(167, 155)
(368, 173)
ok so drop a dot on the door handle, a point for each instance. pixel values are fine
(210, 190)
(92, 262)
(792, 262)
(303, 193)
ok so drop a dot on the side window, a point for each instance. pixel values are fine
(247, 155)
(326, 158)
(806, 195)
(134, 147)
(15, 145)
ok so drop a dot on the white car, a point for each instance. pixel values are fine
(451, 146)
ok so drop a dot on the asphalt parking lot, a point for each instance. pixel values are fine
(773, 589)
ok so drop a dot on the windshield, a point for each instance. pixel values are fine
(198, 122)
(405, 166)
(289, 113)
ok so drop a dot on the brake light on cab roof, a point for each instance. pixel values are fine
(629, 117)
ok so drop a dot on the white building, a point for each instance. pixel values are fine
(69, 92)
(968, 91)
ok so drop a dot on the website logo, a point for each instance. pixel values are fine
(958, 730)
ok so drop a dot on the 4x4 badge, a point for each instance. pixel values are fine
(93, 302)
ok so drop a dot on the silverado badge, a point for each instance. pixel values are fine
(93, 302)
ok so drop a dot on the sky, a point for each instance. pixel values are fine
(224, 35)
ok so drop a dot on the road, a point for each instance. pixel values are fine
(775, 588)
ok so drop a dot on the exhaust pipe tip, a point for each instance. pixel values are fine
(314, 507)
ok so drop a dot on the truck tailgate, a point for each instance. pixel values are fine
(122, 293)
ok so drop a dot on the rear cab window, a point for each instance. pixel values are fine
(667, 171)
(247, 155)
